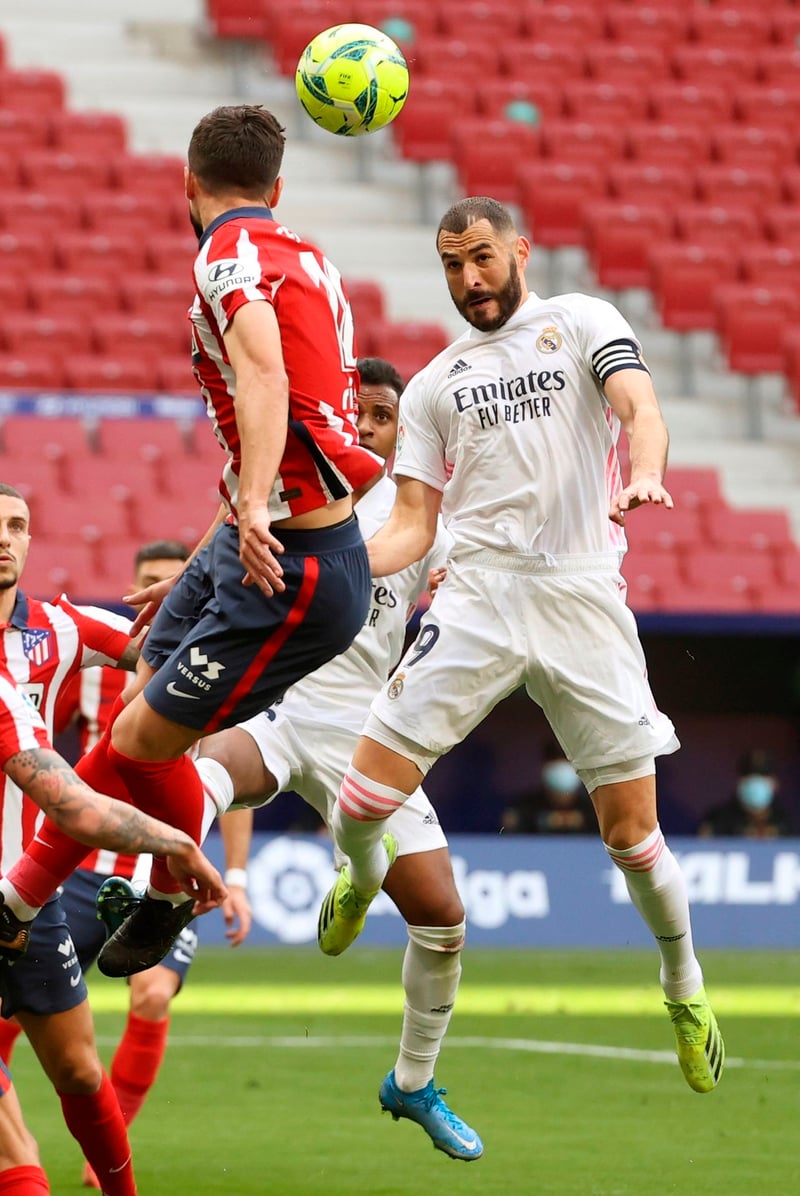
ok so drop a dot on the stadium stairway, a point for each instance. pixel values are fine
(160, 68)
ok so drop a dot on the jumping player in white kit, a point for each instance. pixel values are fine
(304, 744)
(511, 433)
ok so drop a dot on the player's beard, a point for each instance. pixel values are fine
(507, 299)
(196, 225)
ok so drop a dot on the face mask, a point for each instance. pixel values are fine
(560, 776)
(755, 792)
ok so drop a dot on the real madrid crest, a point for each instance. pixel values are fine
(396, 686)
(550, 340)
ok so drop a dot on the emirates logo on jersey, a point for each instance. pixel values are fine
(38, 646)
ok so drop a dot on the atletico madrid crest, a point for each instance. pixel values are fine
(38, 646)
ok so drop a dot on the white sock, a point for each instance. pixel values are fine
(25, 912)
(357, 824)
(217, 785)
(657, 888)
(431, 974)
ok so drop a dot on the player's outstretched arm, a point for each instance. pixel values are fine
(631, 394)
(101, 821)
(409, 531)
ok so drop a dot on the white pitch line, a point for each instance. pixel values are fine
(530, 1045)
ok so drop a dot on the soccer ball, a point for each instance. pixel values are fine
(352, 79)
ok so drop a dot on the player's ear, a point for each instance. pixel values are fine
(189, 183)
(523, 251)
(275, 193)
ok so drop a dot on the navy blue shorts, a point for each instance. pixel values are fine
(89, 933)
(223, 651)
(48, 977)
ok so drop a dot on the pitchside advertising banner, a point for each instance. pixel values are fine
(522, 891)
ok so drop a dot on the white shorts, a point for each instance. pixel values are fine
(311, 758)
(568, 637)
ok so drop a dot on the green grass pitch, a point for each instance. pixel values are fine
(562, 1060)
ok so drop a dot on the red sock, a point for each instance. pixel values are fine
(136, 1062)
(23, 1181)
(96, 1122)
(53, 856)
(167, 789)
(10, 1031)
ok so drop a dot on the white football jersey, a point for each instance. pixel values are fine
(515, 430)
(341, 691)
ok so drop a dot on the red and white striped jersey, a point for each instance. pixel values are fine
(42, 646)
(86, 702)
(246, 257)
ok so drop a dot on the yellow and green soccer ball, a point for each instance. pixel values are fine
(352, 79)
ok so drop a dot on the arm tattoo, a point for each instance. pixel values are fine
(92, 818)
(129, 658)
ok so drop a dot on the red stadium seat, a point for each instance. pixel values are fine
(673, 100)
(147, 174)
(706, 63)
(643, 182)
(572, 22)
(598, 142)
(554, 198)
(171, 254)
(721, 598)
(26, 253)
(66, 174)
(761, 531)
(769, 106)
(781, 224)
(28, 330)
(728, 25)
(752, 146)
(66, 568)
(779, 66)
(507, 97)
(714, 225)
(649, 574)
(659, 528)
(752, 325)
(723, 571)
(185, 517)
(66, 294)
(291, 28)
(645, 24)
(26, 436)
(667, 145)
(32, 91)
(550, 59)
(423, 18)
(613, 62)
(122, 331)
(72, 517)
(423, 129)
(487, 155)
(121, 374)
(410, 345)
(86, 253)
(693, 487)
(787, 564)
(29, 371)
(115, 213)
(20, 131)
(718, 183)
(770, 265)
(157, 298)
(791, 363)
(620, 236)
(175, 376)
(684, 281)
(238, 19)
(591, 99)
(784, 25)
(130, 437)
(496, 21)
(443, 57)
(99, 133)
(32, 213)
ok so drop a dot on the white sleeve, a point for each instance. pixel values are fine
(420, 449)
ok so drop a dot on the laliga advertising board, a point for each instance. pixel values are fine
(532, 891)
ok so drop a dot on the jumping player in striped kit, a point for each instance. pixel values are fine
(281, 584)
(511, 432)
(42, 644)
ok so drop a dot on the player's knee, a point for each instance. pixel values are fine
(77, 1073)
(152, 991)
(448, 940)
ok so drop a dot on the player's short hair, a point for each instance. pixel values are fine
(377, 371)
(465, 212)
(162, 550)
(12, 492)
(237, 147)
